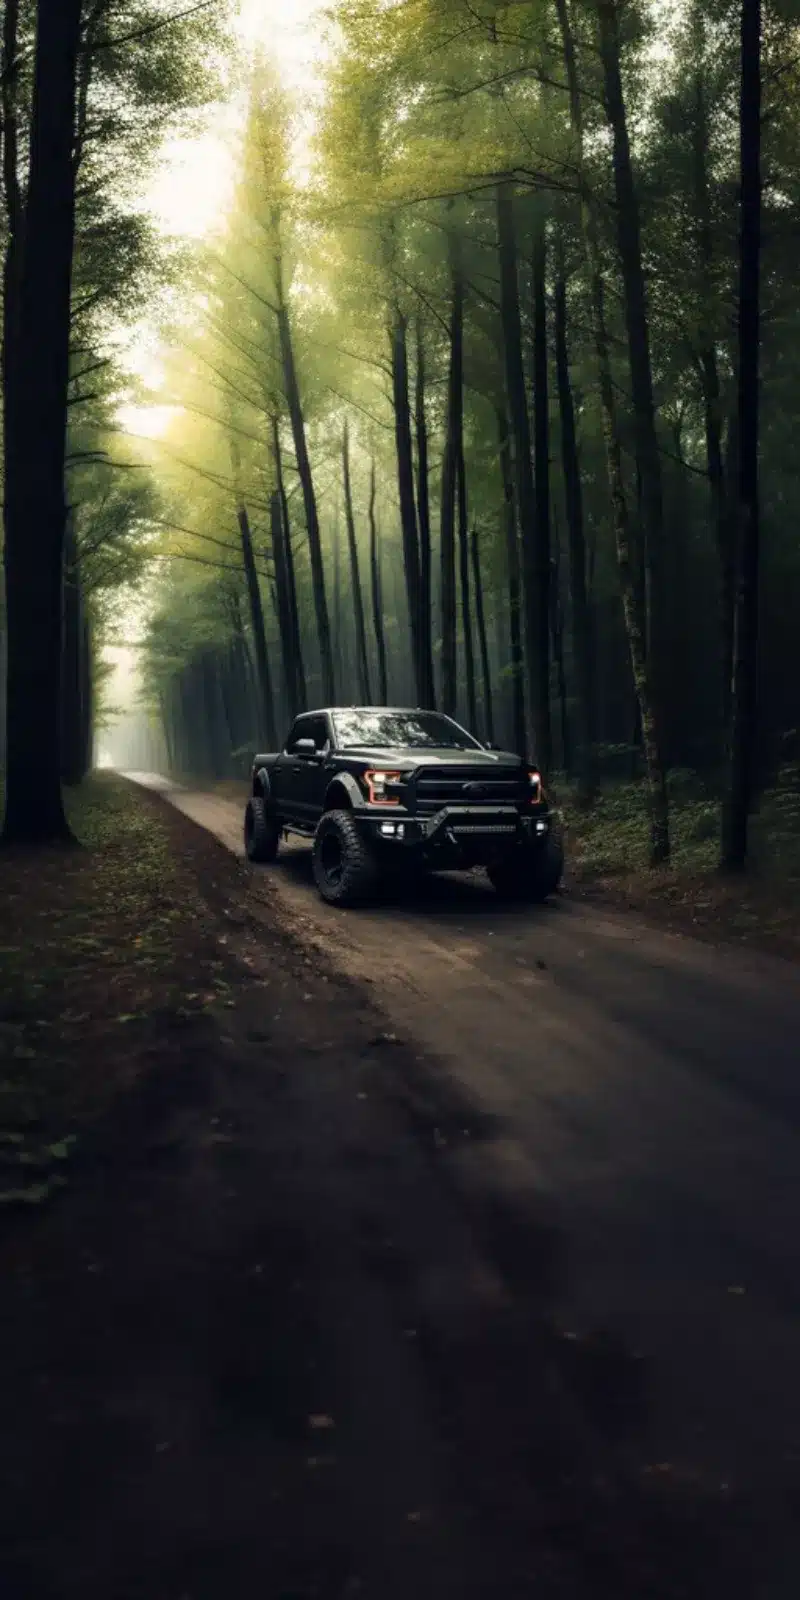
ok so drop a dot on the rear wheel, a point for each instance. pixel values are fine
(345, 868)
(262, 834)
(530, 872)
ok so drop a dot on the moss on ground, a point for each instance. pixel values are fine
(608, 848)
(102, 949)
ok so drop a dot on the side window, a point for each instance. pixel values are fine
(315, 728)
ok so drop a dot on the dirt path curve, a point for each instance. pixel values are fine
(643, 1092)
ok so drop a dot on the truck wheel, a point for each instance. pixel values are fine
(262, 834)
(529, 872)
(345, 869)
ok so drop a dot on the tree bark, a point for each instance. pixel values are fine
(267, 704)
(73, 768)
(450, 500)
(744, 698)
(466, 612)
(557, 630)
(635, 622)
(405, 482)
(535, 648)
(514, 586)
(36, 385)
(573, 497)
(635, 302)
(709, 369)
(424, 515)
(541, 460)
(377, 598)
(288, 556)
(283, 605)
(480, 618)
(296, 417)
(362, 662)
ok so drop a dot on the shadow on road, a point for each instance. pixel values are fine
(463, 893)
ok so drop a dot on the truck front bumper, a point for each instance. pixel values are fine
(457, 831)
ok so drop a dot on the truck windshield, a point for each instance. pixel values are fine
(399, 730)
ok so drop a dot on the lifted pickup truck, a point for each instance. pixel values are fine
(385, 792)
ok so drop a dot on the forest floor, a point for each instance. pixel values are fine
(265, 1330)
(759, 908)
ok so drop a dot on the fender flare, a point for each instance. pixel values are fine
(347, 782)
(261, 783)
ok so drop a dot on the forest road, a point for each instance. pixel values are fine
(643, 1096)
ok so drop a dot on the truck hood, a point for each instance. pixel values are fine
(406, 760)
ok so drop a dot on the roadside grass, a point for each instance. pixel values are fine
(607, 850)
(103, 949)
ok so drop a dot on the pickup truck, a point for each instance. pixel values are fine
(384, 792)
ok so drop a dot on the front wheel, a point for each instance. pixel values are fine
(344, 864)
(262, 834)
(530, 872)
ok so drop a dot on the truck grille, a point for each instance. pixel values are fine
(434, 790)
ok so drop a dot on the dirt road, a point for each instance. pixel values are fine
(641, 1118)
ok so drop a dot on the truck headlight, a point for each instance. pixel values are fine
(376, 782)
(535, 790)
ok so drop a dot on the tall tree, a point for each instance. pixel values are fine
(743, 731)
(266, 699)
(424, 514)
(35, 508)
(362, 661)
(573, 497)
(537, 647)
(377, 597)
(635, 621)
(451, 499)
(541, 458)
(648, 459)
(297, 419)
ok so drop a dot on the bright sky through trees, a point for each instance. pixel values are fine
(190, 191)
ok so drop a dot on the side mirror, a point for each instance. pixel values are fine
(305, 747)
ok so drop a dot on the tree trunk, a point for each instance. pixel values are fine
(463, 561)
(362, 663)
(339, 654)
(405, 483)
(741, 783)
(283, 605)
(267, 727)
(514, 586)
(87, 697)
(635, 622)
(288, 556)
(709, 369)
(36, 393)
(424, 515)
(635, 302)
(14, 216)
(73, 769)
(557, 630)
(573, 497)
(377, 599)
(309, 497)
(541, 459)
(450, 495)
(536, 649)
(480, 618)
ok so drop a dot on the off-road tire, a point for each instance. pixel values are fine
(345, 868)
(262, 835)
(529, 872)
